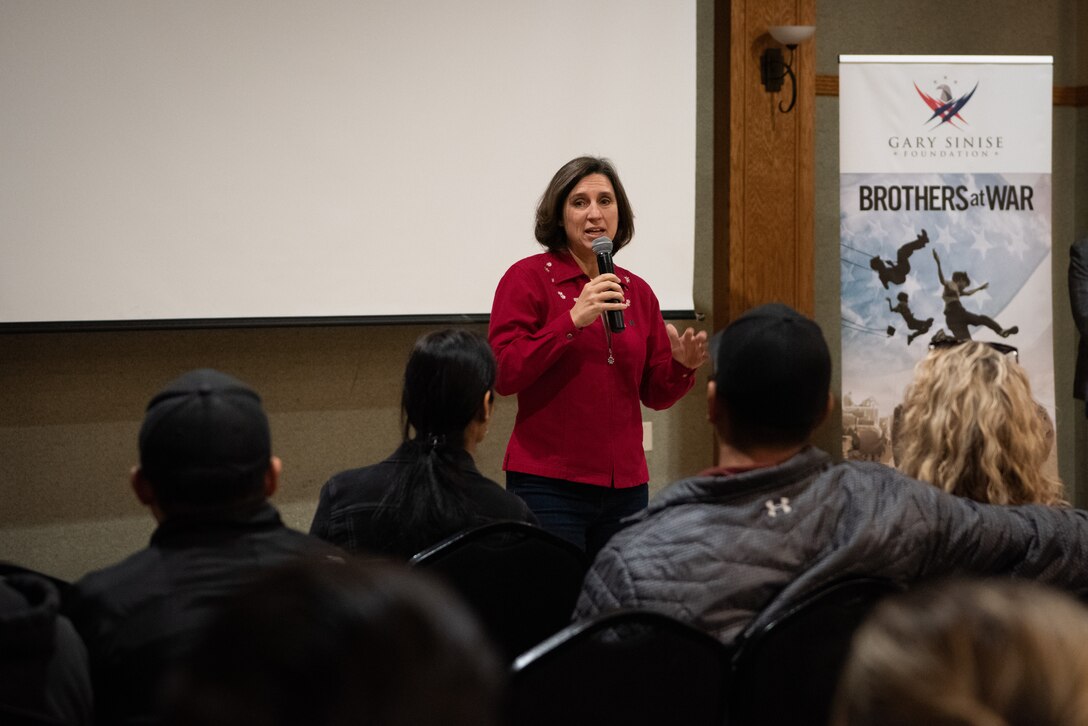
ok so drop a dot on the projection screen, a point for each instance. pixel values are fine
(201, 160)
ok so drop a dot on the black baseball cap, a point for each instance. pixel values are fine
(772, 370)
(205, 434)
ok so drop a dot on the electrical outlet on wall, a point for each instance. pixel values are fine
(647, 435)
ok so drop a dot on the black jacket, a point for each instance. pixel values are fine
(140, 615)
(350, 500)
(731, 553)
(1078, 301)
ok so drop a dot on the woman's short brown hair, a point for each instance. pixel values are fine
(549, 212)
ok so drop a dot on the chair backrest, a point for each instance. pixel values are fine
(64, 587)
(786, 672)
(521, 580)
(630, 667)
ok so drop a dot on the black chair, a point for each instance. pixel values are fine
(630, 667)
(786, 672)
(64, 587)
(521, 581)
(43, 671)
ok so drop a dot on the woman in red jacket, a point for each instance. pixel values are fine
(575, 455)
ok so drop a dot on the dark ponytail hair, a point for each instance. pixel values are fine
(447, 376)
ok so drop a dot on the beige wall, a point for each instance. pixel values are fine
(974, 27)
(71, 406)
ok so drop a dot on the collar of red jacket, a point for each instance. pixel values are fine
(565, 267)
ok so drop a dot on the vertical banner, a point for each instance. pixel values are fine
(945, 198)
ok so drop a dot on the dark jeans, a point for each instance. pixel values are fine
(584, 514)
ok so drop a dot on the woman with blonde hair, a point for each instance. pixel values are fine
(982, 653)
(969, 425)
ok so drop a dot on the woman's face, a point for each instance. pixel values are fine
(589, 212)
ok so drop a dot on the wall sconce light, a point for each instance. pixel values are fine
(774, 69)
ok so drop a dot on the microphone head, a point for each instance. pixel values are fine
(602, 244)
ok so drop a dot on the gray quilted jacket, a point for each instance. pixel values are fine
(729, 553)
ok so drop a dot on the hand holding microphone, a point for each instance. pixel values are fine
(600, 295)
(602, 247)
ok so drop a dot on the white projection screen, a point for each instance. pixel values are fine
(211, 160)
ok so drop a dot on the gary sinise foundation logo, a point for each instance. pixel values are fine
(945, 107)
(949, 135)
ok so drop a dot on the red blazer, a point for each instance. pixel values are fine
(578, 415)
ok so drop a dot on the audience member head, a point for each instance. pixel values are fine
(447, 401)
(549, 212)
(986, 653)
(772, 377)
(204, 444)
(970, 426)
(448, 385)
(339, 644)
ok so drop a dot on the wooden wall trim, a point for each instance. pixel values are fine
(828, 85)
(1071, 96)
(805, 169)
(722, 153)
(764, 230)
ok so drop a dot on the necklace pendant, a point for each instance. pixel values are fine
(611, 360)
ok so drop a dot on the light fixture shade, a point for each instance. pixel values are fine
(791, 34)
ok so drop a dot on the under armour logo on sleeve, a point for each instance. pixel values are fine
(782, 506)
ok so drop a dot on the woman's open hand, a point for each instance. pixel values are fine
(689, 349)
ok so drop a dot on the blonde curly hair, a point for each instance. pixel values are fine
(971, 427)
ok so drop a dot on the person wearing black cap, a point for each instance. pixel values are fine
(734, 547)
(206, 471)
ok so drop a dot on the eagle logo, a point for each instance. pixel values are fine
(945, 107)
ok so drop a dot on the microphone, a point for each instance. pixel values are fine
(602, 247)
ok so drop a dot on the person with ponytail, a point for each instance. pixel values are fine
(429, 488)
